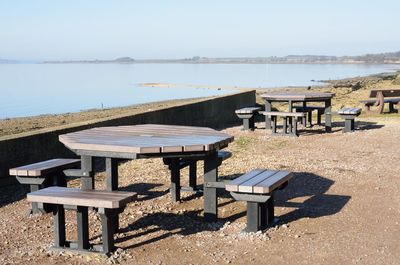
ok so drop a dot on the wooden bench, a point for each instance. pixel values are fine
(290, 117)
(257, 188)
(349, 115)
(176, 164)
(109, 204)
(43, 174)
(309, 109)
(381, 96)
(247, 114)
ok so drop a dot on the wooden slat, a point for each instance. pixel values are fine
(248, 186)
(351, 111)
(234, 184)
(44, 167)
(78, 197)
(273, 182)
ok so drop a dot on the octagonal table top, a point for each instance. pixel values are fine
(146, 139)
(297, 96)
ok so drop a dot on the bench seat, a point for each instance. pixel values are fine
(109, 204)
(380, 97)
(43, 174)
(257, 188)
(289, 121)
(349, 115)
(247, 114)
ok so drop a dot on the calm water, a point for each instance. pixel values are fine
(33, 89)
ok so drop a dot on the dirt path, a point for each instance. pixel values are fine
(342, 207)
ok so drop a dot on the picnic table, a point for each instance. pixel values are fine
(149, 141)
(300, 97)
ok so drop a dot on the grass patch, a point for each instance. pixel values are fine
(243, 142)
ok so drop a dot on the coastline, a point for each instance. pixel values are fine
(347, 91)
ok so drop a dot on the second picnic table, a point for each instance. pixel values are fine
(300, 97)
(150, 141)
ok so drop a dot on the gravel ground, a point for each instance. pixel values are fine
(341, 207)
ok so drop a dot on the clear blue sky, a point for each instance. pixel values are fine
(89, 29)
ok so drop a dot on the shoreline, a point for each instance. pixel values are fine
(348, 92)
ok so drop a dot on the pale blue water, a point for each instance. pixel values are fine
(34, 89)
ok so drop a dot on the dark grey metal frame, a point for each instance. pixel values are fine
(290, 130)
(82, 245)
(248, 121)
(349, 122)
(260, 210)
(211, 163)
(37, 183)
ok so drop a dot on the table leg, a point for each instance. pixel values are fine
(210, 193)
(112, 184)
(328, 116)
(59, 226)
(268, 107)
(83, 227)
(193, 174)
(175, 188)
(87, 181)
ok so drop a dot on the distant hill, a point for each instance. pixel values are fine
(379, 58)
(118, 60)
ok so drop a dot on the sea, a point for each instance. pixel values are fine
(34, 89)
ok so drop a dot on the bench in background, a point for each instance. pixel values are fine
(349, 115)
(289, 121)
(391, 96)
(109, 204)
(43, 174)
(257, 188)
(248, 115)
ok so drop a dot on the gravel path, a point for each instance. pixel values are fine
(342, 207)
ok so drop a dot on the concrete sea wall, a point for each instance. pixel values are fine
(217, 112)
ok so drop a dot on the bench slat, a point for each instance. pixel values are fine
(272, 182)
(78, 197)
(44, 167)
(248, 186)
(285, 114)
(351, 111)
(234, 184)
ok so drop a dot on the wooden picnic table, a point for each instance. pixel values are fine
(302, 97)
(150, 141)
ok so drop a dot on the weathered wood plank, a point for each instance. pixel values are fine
(78, 197)
(44, 167)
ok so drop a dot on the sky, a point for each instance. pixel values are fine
(169, 29)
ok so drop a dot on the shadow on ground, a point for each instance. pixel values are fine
(306, 194)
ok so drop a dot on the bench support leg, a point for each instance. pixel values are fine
(37, 207)
(59, 226)
(270, 210)
(175, 188)
(253, 217)
(83, 227)
(268, 107)
(112, 183)
(210, 193)
(87, 169)
(328, 116)
(285, 125)
(319, 117)
(348, 125)
(107, 230)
